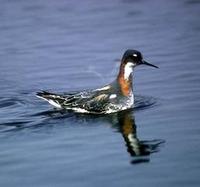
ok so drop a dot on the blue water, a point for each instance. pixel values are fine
(72, 45)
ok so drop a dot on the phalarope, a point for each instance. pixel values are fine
(114, 97)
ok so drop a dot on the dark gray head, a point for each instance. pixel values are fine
(134, 57)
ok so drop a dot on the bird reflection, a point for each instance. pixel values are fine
(124, 122)
(138, 149)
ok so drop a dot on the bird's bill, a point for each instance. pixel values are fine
(148, 64)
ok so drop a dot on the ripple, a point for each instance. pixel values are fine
(12, 125)
(144, 102)
(7, 103)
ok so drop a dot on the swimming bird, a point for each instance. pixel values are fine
(113, 97)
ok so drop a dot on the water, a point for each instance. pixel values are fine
(70, 45)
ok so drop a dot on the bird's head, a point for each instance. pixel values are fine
(134, 58)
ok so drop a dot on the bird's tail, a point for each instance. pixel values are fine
(45, 95)
(54, 99)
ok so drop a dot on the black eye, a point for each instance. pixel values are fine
(135, 55)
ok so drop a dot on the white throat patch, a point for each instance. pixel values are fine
(128, 69)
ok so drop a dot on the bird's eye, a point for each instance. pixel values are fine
(135, 55)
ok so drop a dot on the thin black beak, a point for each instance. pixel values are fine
(148, 64)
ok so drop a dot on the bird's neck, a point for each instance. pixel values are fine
(125, 79)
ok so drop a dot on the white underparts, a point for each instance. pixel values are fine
(128, 69)
(51, 102)
(54, 103)
(112, 96)
(80, 110)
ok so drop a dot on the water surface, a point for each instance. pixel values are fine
(72, 45)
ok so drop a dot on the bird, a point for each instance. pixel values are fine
(111, 98)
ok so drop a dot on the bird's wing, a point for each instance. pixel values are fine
(96, 104)
(88, 101)
(91, 102)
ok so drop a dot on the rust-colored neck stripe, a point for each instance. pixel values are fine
(125, 85)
